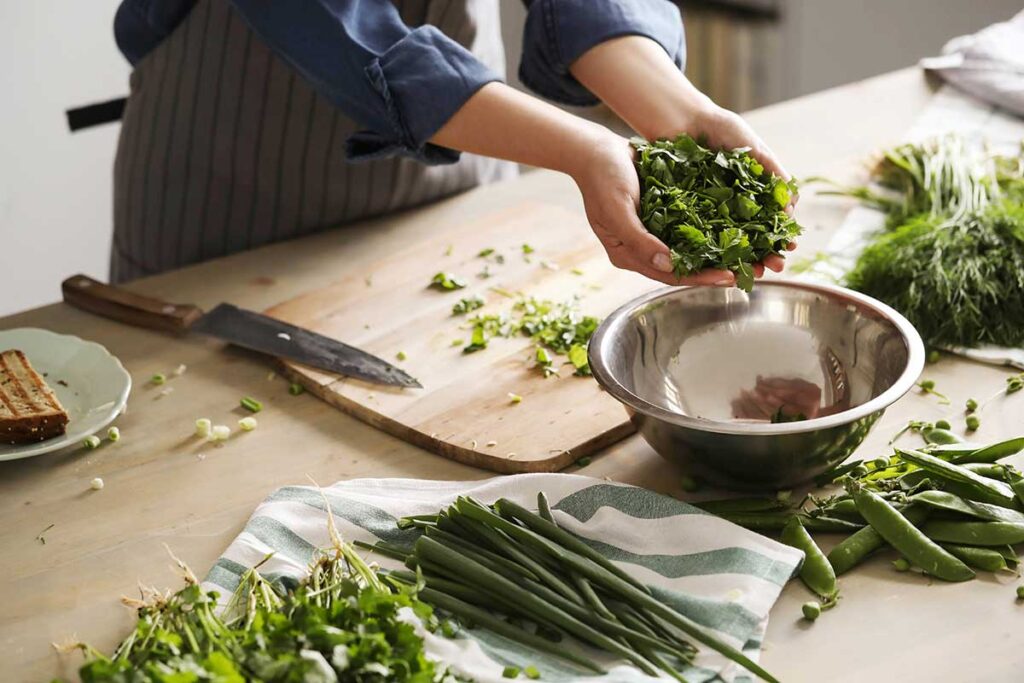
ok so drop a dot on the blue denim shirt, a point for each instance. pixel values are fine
(404, 83)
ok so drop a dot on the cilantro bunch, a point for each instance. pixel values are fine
(714, 209)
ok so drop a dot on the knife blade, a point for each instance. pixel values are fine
(237, 326)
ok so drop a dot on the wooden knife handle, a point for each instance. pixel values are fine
(91, 295)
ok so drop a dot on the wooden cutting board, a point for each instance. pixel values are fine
(464, 411)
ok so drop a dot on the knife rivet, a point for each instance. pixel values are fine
(168, 309)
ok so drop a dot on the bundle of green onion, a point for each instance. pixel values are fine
(503, 566)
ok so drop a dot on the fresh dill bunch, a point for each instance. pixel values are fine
(959, 284)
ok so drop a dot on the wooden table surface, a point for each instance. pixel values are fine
(160, 491)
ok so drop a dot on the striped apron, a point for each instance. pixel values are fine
(224, 147)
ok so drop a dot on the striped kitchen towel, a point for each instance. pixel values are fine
(720, 575)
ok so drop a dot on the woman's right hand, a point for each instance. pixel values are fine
(607, 179)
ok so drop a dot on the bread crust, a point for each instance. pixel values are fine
(29, 409)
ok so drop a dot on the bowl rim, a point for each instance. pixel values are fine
(618, 317)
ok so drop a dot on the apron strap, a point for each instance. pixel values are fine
(96, 114)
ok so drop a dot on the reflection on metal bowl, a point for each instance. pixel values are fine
(765, 389)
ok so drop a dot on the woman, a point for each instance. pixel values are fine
(253, 121)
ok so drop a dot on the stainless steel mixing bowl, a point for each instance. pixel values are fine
(761, 390)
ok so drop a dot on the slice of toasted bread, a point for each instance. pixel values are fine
(29, 410)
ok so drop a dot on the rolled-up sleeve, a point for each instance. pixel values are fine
(402, 84)
(559, 31)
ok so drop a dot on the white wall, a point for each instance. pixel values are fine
(55, 186)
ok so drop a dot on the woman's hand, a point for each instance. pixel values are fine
(610, 187)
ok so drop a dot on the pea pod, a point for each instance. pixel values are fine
(944, 500)
(815, 572)
(936, 435)
(974, 533)
(985, 559)
(856, 547)
(1009, 554)
(776, 521)
(844, 509)
(986, 469)
(952, 451)
(831, 475)
(906, 538)
(993, 452)
(974, 485)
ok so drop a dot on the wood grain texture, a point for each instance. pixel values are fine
(464, 411)
(81, 291)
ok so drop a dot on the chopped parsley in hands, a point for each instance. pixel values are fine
(713, 209)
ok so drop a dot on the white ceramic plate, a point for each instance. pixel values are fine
(96, 390)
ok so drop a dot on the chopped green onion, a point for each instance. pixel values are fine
(251, 404)
(247, 424)
(113, 433)
(457, 342)
(577, 271)
(515, 398)
(220, 432)
(527, 249)
(532, 672)
(92, 441)
(96, 484)
(484, 253)
(158, 379)
(180, 370)
(295, 389)
(203, 426)
(510, 672)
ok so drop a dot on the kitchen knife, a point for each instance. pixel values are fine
(238, 326)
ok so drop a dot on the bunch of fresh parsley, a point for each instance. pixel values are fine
(713, 208)
(341, 624)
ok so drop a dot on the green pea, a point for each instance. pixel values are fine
(901, 565)
(934, 356)
(942, 424)
(972, 423)
(1020, 592)
(972, 405)
(812, 609)
(927, 384)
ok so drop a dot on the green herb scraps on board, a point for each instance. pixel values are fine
(447, 282)
(341, 623)
(557, 328)
(469, 303)
(951, 258)
(714, 209)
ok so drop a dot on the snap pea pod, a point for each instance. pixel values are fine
(986, 559)
(776, 521)
(831, 475)
(731, 505)
(952, 451)
(974, 533)
(986, 469)
(906, 538)
(993, 452)
(937, 435)
(981, 488)
(815, 572)
(944, 500)
(856, 547)
(843, 509)
(1009, 554)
